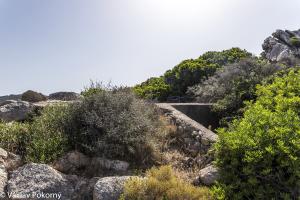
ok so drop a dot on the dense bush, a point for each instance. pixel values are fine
(110, 122)
(189, 72)
(115, 124)
(93, 88)
(14, 137)
(231, 85)
(32, 96)
(162, 184)
(259, 155)
(48, 140)
(153, 88)
(42, 140)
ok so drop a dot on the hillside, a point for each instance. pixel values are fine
(238, 137)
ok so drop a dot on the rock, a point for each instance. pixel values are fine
(42, 104)
(64, 96)
(86, 189)
(9, 160)
(280, 46)
(34, 180)
(77, 163)
(111, 165)
(208, 175)
(15, 110)
(13, 162)
(72, 162)
(3, 181)
(3, 154)
(109, 188)
(15, 97)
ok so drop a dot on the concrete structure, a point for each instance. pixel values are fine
(197, 139)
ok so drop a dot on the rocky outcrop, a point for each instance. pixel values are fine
(40, 180)
(109, 188)
(282, 45)
(64, 96)
(77, 163)
(208, 175)
(3, 181)
(12, 110)
(15, 97)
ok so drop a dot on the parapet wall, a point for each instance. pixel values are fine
(197, 138)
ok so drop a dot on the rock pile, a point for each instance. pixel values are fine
(41, 181)
(282, 45)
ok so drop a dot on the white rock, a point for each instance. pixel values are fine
(109, 188)
(15, 110)
(3, 181)
(40, 179)
(208, 175)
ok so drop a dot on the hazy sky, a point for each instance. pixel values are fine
(59, 45)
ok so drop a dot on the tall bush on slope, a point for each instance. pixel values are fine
(259, 155)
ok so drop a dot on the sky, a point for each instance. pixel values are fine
(60, 45)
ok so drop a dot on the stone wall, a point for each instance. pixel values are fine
(197, 139)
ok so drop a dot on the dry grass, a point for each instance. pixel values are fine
(172, 154)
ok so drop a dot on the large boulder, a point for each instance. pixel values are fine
(64, 96)
(3, 181)
(109, 188)
(75, 162)
(208, 175)
(12, 110)
(40, 181)
(282, 45)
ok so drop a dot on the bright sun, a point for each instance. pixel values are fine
(179, 10)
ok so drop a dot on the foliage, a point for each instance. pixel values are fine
(115, 124)
(153, 88)
(295, 41)
(47, 139)
(162, 184)
(40, 141)
(14, 137)
(93, 88)
(259, 155)
(32, 96)
(110, 122)
(189, 72)
(231, 85)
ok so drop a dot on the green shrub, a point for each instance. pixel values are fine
(110, 122)
(162, 184)
(32, 96)
(14, 137)
(93, 88)
(153, 88)
(231, 85)
(295, 41)
(188, 73)
(259, 155)
(115, 124)
(48, 140)
(42, 140)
